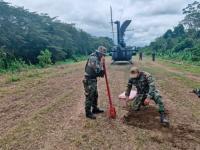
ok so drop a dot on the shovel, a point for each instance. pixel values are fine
(112, 111)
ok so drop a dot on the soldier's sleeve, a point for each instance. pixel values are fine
(93, 63)
(128, 87)
(152, 86)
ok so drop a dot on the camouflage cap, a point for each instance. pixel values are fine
(134, 70)
(102, 50)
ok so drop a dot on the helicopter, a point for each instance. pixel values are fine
(121, 52)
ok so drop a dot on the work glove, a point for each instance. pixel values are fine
(127, 98)
(146, 101)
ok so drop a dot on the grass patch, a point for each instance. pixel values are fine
(176, 76)
(182, 66)
(13, 78)
(34, 73)
(186, 81)
(20, 66)
(72, 60)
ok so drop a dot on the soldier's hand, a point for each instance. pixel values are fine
(103, 60)
(147, 101)
(127, 98)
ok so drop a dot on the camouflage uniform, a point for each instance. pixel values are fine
(197, 92)
(153, 56)
(93, 69)
(140, 55)
(146, 89)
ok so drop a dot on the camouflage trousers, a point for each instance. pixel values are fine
(91, 94)
(140, 98)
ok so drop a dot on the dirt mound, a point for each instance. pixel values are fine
(182, 136)
(147, 118)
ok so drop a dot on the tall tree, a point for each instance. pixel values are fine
(192, 18)
(25, 34)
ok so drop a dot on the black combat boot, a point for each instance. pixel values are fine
(163, 119)
(97, 110)
(90, 115)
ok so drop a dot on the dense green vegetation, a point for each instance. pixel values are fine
(45, 58)
(24, 34)
(183, 42)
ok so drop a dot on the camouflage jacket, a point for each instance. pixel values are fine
(197, 92)
(94, 67)
(144, 84)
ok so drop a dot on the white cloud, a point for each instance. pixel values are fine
(151, 18)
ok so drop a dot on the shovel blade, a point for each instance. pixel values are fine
(112, 113)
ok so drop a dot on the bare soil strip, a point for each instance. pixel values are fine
(47, 112)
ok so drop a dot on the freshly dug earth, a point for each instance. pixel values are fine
(44, 109)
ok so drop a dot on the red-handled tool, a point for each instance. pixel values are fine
(112, 111)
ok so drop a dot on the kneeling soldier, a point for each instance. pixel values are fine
(93, 69)
(146, 91)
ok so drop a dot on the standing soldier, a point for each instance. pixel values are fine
(146, 91)
(153, 56)
(93, 69)
(140, 55)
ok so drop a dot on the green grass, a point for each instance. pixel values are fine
(190, 83)
(33, 74)
(21, 66)
(72, 60)
(177, 76)
(13, 78)
(183, 66)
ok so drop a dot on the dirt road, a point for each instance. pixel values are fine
(44, 109)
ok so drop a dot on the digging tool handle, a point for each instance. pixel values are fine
(107, 85)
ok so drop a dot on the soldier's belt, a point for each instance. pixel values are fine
(89, 78)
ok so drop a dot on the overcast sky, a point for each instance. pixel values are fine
(150, 18)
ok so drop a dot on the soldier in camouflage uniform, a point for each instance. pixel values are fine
(197, 92)
(153, 56)
(146, 91)
(140, 55)
(93, 69)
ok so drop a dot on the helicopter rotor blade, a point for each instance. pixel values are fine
(111, 17)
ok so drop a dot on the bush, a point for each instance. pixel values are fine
(45, 58)
(17, 65)
(10, 63)
(195, 54)
(3, 59)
